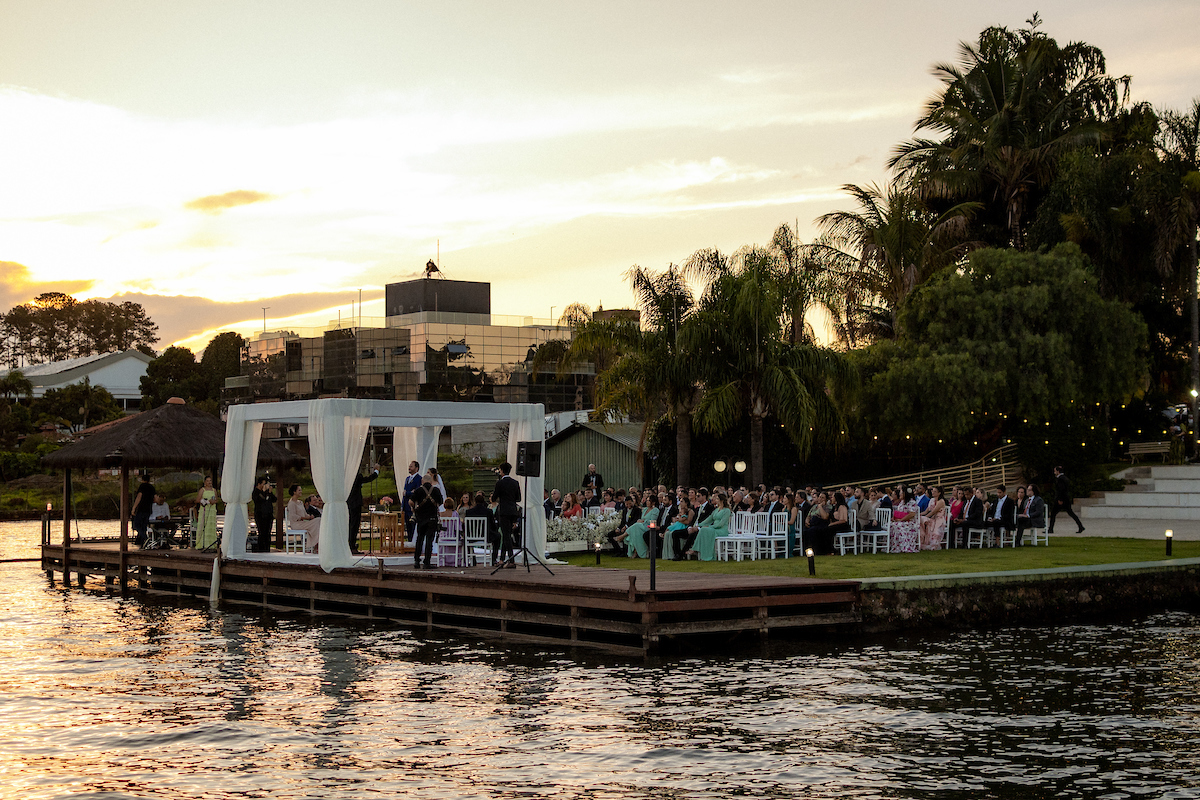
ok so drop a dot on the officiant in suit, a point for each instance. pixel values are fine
(507, 495)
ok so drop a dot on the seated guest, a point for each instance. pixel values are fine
(608, 501)
(922, 497)
(839, 521)
(677, 528)
(630, 515)
(313, 505)
(972, 517)
(448, 509)
(818, 514)
(705, 506)
(479, 508)
(160, 516)
(636, 538)
(1002, 515)
(1034, 514)
(590, 500)
(933, 524)
(571, 509)
(553, 505)
(300, 520)
(864, 507)
(717, 525)
(883, 499)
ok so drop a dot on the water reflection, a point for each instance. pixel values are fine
(108, 695)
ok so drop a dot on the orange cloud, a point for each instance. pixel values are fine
(216, 203)
(16, 286)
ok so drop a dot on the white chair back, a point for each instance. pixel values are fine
(779, 523)
(884, 517)
(744, 524)
(762, 524)
(477, 530)
(451, 529)
(594, 511)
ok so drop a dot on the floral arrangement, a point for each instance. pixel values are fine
(385, 501)
(592, 530)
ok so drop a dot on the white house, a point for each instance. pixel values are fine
(120, 373)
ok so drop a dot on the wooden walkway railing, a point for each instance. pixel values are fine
(1000, 466)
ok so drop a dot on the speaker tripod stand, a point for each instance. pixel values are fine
(512, 559)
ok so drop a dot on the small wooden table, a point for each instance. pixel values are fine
(390, 527)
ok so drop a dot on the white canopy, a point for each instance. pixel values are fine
(337, 433)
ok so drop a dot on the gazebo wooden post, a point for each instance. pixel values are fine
(124, 526)
(66, 548)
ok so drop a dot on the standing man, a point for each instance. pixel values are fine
(507, 495)
(354, 505)
(411, 483)
(1063, 499)
(264, 514)
(143, 502)
(425, 501)
(592, 480)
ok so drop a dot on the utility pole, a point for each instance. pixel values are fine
(264, 308)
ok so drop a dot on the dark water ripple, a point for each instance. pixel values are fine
(108, 697)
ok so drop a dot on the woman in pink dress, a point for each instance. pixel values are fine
(933, 524)
(905, 536)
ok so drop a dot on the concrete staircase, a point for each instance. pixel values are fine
(1161, 492)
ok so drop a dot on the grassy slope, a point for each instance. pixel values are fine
(1065, 552)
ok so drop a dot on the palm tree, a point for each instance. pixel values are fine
(1010, 108)
(1177, 216)
(15, 384)
(649, 375)
(750, 364)
(878, 254)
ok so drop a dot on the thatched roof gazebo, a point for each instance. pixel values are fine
(172, 435)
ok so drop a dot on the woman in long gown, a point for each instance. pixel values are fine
(794, 522)
(933, 524)
(905, 536)
(636, 540)
(206, 516)
(716, 525)
(300, 520)
(683, 520)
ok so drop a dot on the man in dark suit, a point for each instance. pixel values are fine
(354, 503)
(553, 504)
(592, 479)
(1063, 499)
(773, 503)
(1034, 514)
(410, 485)
(1003, 515)
(630, 515)
(706, 507)
(425, 502)
(480, 509)
(972, 517)
(507, 495)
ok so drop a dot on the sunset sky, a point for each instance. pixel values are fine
(210, 158)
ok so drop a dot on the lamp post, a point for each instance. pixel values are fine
(1170, 536)
(812, 561)
(724, 466)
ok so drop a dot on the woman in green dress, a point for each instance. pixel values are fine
(636, 540)
(206, 516)
(716, 525)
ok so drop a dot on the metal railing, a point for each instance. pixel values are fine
(1000, 466)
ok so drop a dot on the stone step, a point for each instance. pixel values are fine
(1176, 485)
(1176, 472)
(1136, 512)
(1151, 499)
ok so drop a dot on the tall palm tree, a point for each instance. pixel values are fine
(1177, 216)
(751, 366)
(1009, 109)
(15, 384)
(882, 251)
(650, 375)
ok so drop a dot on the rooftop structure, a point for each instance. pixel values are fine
(120, 373)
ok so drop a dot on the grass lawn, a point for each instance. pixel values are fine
(1065, 552)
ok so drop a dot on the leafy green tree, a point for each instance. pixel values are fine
(78, 406)
(55, 326)
(175, 373)
(1012, 106)
(222, 359)
(1014, 334)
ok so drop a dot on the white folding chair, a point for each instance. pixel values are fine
(450, 550)
(477, 539)
(762, 546)
(594, 511)
(1042, 533)
(295, 541)
(976, 533)
(850, 537)
(883, 516)
(779, 526)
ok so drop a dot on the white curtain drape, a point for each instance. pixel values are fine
(413, 444)
(527, 423)
(237, 480)
(336, 437)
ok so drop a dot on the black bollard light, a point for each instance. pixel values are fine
(1170, 536)
(812, 561)
(597, 545)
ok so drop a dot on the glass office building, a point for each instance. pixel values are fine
(438, 342)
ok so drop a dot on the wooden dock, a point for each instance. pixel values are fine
(609, 608)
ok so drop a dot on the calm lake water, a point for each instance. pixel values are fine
(103, 696)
